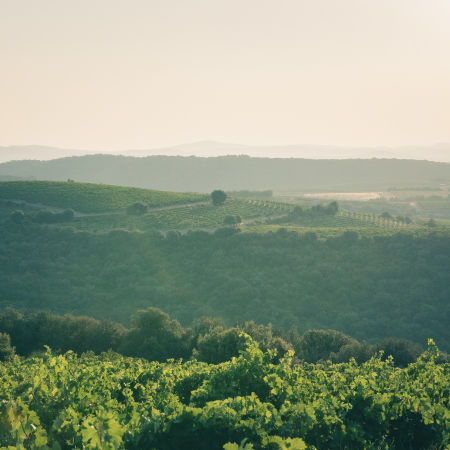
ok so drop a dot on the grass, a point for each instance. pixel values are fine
(88, 197)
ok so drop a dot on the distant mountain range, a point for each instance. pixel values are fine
(438, 152)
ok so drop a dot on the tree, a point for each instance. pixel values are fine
(332, 208)
(205, 325)
(316, 345)
(219, 345)
(232, 220)
(218, 197)
(137, 209)
(44, 216)
(6, 351)
(404, 352)
(67, 215)
(156, 337)
(17, 217)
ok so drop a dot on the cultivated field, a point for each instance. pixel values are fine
(87, 197)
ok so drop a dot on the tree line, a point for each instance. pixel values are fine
(157, 337)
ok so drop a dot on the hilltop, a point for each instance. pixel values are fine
(196, 174)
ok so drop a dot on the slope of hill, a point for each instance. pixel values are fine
(367, 287)
(86, 197)
(200, 215)
(195, 174)
(101, 208)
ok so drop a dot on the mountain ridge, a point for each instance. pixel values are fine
(439, 152)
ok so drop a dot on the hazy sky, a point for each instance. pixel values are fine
(119, 74)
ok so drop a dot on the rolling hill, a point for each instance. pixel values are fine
(194, 174)
(88, 197)
(361, 274)
(102, 208)
(367, 287)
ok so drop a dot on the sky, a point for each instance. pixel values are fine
(128, 74)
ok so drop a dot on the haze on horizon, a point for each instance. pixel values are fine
(117, 75)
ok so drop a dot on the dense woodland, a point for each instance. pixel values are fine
(367, 287)
(195, 174)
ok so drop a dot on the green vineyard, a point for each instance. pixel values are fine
(185, 217)
(250, 402)
(87, 197)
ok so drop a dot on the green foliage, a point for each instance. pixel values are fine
(262, 195)
(87, 197)
(367, 287)
(232, 220)
(137, 209)
(31, 331)
(44, 216)
(218, 197)
(6, 351)
(318, 345)
(113, 402)
(156, 337)
(219, 345)
(17, 217)
(183, 217)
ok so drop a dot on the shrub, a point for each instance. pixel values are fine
(17, 216)
(6, 351)
(137, 209)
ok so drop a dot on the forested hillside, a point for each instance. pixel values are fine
(367, 287)
(194, 174)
